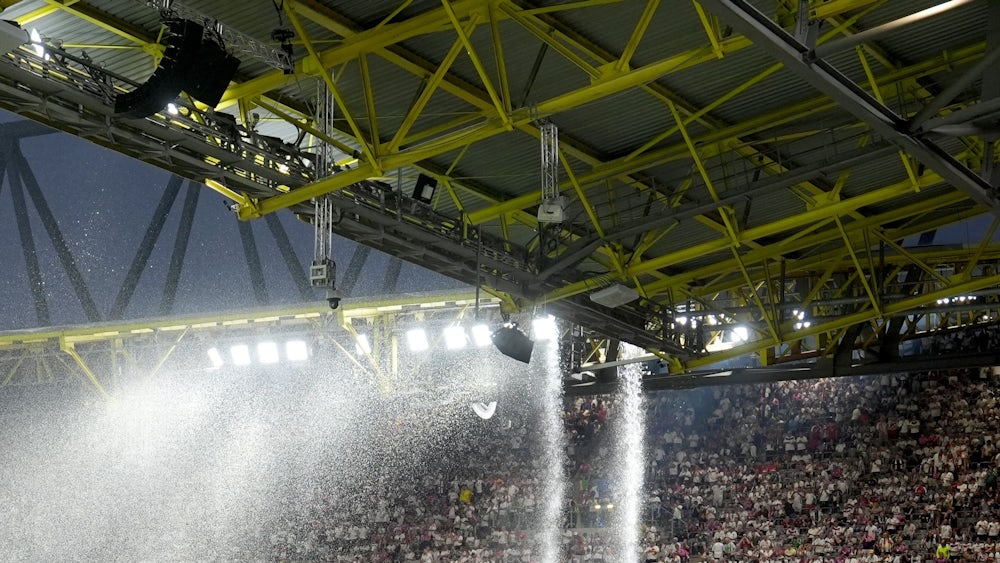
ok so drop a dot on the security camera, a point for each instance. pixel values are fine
(333, 298)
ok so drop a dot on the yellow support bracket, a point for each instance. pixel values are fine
(710, 28)
(478, 64)
(857, 264)
(322, 71)
(70, 349)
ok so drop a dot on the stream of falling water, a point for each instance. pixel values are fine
(630, 462)
(555, 447)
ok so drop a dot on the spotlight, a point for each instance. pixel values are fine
(296, 351)
(267, 352)
(240, 354)
(424, 189)
(513, 343)
(454, 337)
(485, 411)
(544, 328)
(215, 357)
(481, 335)
(36, 42)
(740, 334)
(417, 340)
(172, 109)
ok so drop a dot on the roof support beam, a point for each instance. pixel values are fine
(821, 75)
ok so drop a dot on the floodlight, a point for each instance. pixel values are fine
(240, 354)
(740, 334)
(481, 335)
(513, 343)
(267, 352)
(417, 340)
(362, 346)
(215, 357)
(485, 411)
(172, 109)
(455, 338)
(296, 351)
(37, 44)
(544, 328)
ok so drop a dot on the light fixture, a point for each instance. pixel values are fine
(267, 352)
(513, 343)
(740, 334)
(172, 109)
(240, 354)
(544, 328)
(614, 295)
(609, 506)
(423, 190)
(481, 335)
(296, 351)
(455, 337)
(36, 42)
(417, 340)
(597, 507)
(362, 346)
(215, 357)
(485, 411)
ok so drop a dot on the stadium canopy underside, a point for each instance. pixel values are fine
(761, 177)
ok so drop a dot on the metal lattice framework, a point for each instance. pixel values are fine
(779, 167)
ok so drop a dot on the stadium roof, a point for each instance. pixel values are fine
(775, 166)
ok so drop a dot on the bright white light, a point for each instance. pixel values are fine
(417, 340)
(544, 328)
(363, 346)
(267, 352)
(36, 41)
(484, 410)
(172, 109)
(681, 320)
(283, 168)
(240, 354)
(215, 357)
(740, 334)
(455, 338)
(481, 335)
(296, 351)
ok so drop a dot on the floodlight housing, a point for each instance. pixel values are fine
(267, 352)
(296, 351)
(240, 354)
(513, 343)
(417, 340)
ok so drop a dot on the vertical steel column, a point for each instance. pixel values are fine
(55, 235)
(253, 262)
(27, 240)
(354, 268)
(180, 248)
(288, 254)
(145, 248)
(392, 275)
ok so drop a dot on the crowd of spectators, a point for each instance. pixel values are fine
(890, 468)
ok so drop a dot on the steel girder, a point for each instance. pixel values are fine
(258, 186)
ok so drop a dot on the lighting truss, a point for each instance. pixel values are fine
(235, 40)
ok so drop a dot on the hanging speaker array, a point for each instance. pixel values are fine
(191, 63)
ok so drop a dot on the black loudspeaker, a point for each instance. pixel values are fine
(170, 77)
(424, 188)
(513, 343)
(210, 77)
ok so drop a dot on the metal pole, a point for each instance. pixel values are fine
(880, 30)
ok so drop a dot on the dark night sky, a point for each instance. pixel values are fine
(103, 202)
